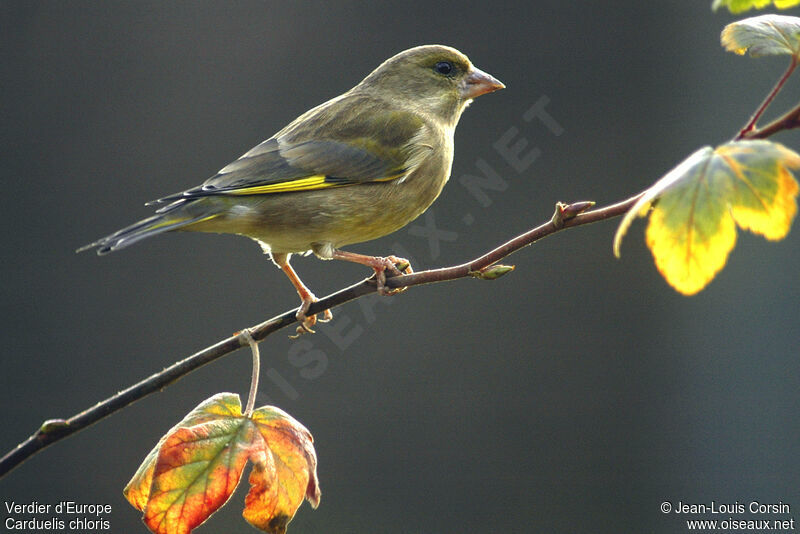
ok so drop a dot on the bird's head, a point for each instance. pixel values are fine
(433, 79)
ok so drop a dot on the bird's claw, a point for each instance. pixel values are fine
(307, 322)
(302, 328)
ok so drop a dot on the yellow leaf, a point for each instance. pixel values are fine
(738, 6)
(695, 208)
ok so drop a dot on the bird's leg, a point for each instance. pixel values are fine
(380, 265)
(306, 296)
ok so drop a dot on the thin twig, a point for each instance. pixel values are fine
(751, 124)
(55, 430)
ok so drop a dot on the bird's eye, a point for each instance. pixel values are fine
(443, 67)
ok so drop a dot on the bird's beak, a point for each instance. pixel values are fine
(479, 83)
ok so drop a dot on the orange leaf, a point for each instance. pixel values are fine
(196, 467)
(137, 491)
(284, 471)
(197, 470)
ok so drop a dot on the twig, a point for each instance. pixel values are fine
(789, 120)
(751, 124)
(566, 216)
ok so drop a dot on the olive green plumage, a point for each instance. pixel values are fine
(355, 168)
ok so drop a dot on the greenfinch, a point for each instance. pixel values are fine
(355, 168)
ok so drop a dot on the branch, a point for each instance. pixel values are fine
(566, 216)
(53, 430)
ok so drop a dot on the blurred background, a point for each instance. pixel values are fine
(575, 394)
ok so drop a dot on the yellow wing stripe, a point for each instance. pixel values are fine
(303, 184)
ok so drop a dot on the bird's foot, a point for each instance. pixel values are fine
(306, 321)
(396, 266)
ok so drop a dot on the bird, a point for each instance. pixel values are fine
(355, 168)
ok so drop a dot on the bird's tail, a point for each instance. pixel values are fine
(172, 217)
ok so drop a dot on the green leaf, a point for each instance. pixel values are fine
(195, 468)
(695, 208)
(764, 35)
(740, 6)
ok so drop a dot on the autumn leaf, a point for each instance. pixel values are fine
(270, 506)
(196, 466)
(695, 208)
(763, 36)
(138, 489)
(739, 6)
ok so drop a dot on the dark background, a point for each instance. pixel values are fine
(573, 395)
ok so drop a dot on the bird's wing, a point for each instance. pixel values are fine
(343, 142)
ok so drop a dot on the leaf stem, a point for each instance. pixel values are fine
(251, 396)
(751, 124)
